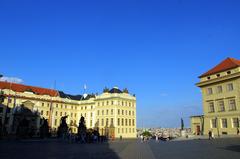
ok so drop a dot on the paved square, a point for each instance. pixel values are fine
(129, 149)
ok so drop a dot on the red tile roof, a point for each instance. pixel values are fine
(22, 88)
(226, 64)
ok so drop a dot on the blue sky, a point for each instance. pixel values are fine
(157, 49)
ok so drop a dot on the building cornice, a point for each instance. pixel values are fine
(218, 80)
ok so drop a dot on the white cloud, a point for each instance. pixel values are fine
(11, 79)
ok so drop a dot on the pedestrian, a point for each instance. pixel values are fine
(141, 138)
(156, 138)
(209, 135)
(237, 131)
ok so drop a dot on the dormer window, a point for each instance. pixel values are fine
(228, 72)
(218, 75)
(208, 77)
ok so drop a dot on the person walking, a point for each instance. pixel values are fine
(156, 138)
(209, 135)
(141, 138)
(237, 131)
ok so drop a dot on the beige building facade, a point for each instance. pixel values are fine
(112, 112)
(220, 89)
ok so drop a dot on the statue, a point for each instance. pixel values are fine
(182, 124)
(63, 127)
(44, 129)
(82, 130)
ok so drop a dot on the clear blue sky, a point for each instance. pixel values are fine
(157, 49)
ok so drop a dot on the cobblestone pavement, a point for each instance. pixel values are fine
(128, 149)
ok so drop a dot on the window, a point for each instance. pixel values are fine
(219, 89)
(133, 130)
(65, 106)
(209, 91)
(129, 112)
(60, 113)
(56, 105)
(90, 123)
(98, 112)
(85, 107)
(118, 122)
(211, 107)
(91, 114)
(228, 72)
(102, 112)
(111, 121)
(122, 130)
(230, 87)
(118, 130)
(129, 122)
(56, 113)
(112, 103)
(218, 75)
(122, 122)
(221, 107)
(42, 104)
(209, 78)
(46, 113)
(214, 123)
(126, 122)
(126, 130)
(65, 113)
(133, 122)
(41, 112)
(232, 104)
(235, 122)
(133, 113)
(75, 115)
(107, 112)
(91, 107)
(55, 123)
(106, 122)
(118, 111)
(111, 111)
(102, 122)
(122, 112)
(224, 123)
(129, 130)
(126, 112)
(71, 115)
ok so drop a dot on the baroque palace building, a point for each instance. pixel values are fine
(112, 112)
(220, 87)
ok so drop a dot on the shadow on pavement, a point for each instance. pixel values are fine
(235, 148)
(55, 149)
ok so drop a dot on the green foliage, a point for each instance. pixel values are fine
(147, 134)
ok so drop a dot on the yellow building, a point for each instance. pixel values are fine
(220, 89)
(113, 112)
